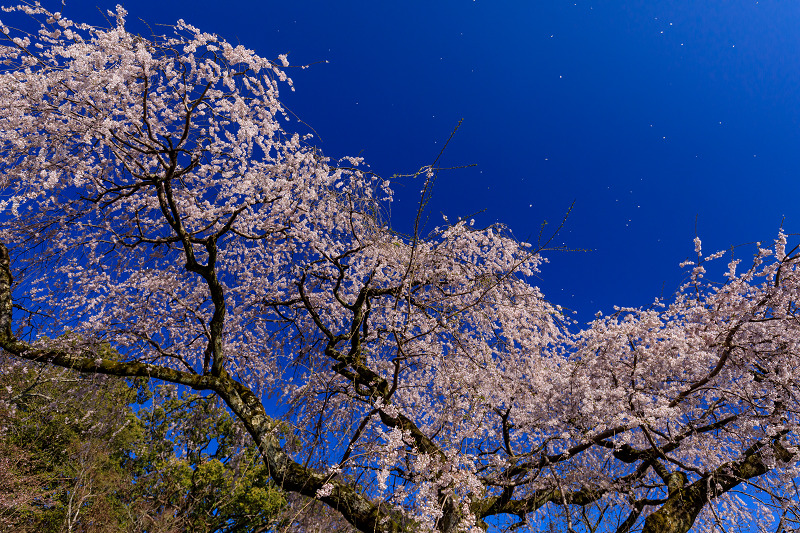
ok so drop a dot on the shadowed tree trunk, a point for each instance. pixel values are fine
(680, 511)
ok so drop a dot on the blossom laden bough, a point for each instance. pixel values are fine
(154, 200)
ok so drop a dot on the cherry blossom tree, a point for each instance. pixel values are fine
(155, 200)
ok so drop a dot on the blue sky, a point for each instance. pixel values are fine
(654, 117)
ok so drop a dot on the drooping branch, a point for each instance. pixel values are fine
(286, 473)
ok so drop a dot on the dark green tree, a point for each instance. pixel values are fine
(84, 453)
(194, 465)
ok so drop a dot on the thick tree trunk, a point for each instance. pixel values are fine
(680, 511)
(678, 514)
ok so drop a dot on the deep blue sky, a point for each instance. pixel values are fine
(649, 114)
